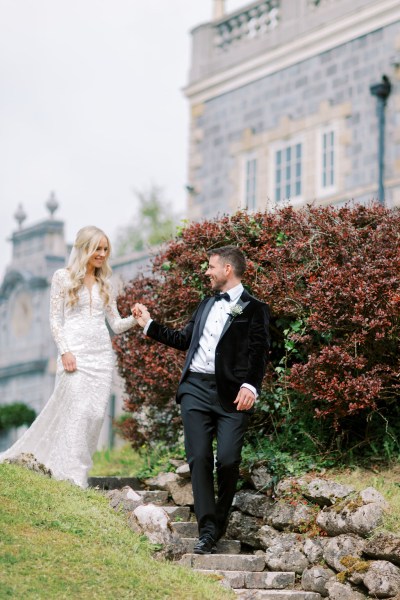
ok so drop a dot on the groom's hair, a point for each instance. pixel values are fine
(231, 255)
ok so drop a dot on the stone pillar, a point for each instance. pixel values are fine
(219, 9)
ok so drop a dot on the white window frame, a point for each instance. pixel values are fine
(249, 160)
(282, 147)
(330, 188)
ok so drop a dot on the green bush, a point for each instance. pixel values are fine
(15, 415)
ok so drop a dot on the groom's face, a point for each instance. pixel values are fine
(217, 272)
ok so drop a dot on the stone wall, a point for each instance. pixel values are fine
(282, 104)
(310, 538)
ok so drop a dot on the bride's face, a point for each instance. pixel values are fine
(98, 257)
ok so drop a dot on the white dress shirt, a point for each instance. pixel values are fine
(204, 358)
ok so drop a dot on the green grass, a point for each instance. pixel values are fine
(60, 542)
(123, 461)
(126, 462)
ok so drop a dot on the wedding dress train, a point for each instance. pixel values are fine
(65, 434)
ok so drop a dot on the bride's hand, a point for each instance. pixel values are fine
(69, 362)
(141, 314)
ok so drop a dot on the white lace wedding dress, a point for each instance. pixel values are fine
(65, 434)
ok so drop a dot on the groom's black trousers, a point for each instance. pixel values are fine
(203, 419)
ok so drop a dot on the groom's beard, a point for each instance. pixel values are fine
(216, 286)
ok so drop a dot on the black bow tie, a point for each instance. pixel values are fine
(225, 296)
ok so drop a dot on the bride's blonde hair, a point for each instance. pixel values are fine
(85, 245)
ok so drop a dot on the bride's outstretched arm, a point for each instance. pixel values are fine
(116, 322)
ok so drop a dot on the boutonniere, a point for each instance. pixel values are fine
(235, 311)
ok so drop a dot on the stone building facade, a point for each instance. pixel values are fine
(28, 353)
(282, 108)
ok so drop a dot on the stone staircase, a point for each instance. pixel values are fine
(245, 574)
(187, 531)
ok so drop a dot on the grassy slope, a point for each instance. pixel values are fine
(57, 541)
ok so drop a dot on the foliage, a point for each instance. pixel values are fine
(331, 277)
(290, 451)
(16, 415)
(159, 459)
(58, 541)
(153, 224)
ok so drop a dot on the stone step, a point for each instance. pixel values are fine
(223, 546)
(158, 497)
(224, 562)
(178, 512)
(187, 529)
(277, 595)
(115, 483)
(265, 580)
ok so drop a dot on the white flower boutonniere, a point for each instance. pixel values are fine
(235, 311)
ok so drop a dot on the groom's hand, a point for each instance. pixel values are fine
(245, 399)
(141, 314)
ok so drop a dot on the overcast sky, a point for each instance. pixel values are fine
(91, 106)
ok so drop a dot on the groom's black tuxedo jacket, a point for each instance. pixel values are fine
(241, 353)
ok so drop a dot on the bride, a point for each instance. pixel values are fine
(65, 434)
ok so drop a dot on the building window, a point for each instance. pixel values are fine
(328, 160)
(249, 195)
(288, 172)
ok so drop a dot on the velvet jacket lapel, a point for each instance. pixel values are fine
(241, 302)
(203, 318)
(198, 329)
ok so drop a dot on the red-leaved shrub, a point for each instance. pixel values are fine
(331, 278)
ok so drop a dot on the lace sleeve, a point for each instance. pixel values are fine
(116, 322)
(57, 298)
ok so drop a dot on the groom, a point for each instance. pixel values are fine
(227, 341)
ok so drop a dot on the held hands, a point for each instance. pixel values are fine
(141, 314)
(69, 362)
(245, 399)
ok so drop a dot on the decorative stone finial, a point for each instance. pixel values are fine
(52, 204)
(20, 216)
(219, 9)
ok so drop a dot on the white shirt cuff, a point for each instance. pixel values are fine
(251, 388)
(146, 327)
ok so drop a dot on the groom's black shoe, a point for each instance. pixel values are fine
(205, 545)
